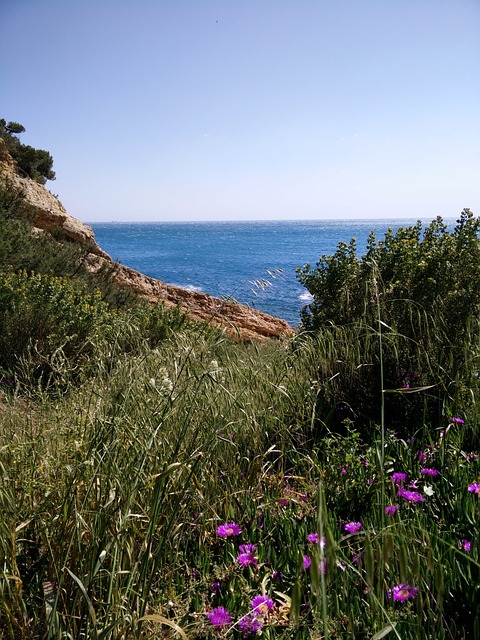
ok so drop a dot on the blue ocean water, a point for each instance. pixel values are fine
(253, 262)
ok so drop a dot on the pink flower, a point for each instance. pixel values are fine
(261, 605)
(429, 472)
(391, 510)
(353, 527)
(219, 617)
(402, 592)
(399, 477)
(249, 625)
(410, 496)
(314, 538)
(322, 566)
(422, 456)
(474, 488)
(229, 529)
(467, 545)
(247, 555)
(457, 420)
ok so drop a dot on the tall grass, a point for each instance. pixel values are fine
(112, 496)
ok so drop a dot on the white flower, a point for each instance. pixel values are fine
(428, 490)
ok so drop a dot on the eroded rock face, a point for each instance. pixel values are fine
(50, 214)
(238, 320)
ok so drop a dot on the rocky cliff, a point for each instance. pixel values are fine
(50, 215)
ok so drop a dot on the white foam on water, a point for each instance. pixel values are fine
(305, 297)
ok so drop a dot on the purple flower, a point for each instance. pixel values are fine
(353, 527)
(410, 496)
(467, 545)
(247, 555)
(474, 488)
(277, 576)
(391, 510)
(219, 617)
(429, 472)
(216, 586)
(422, 456)
(229, 529)
(457, 421)
(314, 538)
(261, 605)
(249, 625)
(399, 478)
(402, 592)
(322, 566)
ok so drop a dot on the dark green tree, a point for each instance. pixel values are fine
(36, 163)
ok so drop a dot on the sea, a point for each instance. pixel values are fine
(253, 263)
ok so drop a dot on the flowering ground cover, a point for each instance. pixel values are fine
(235, 531)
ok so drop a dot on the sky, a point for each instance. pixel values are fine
(196, 110)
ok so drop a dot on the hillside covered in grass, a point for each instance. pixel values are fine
(163, 480)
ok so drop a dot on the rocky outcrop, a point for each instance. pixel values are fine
(49, 212)
(238, 320)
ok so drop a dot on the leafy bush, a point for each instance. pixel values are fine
(422, 294)
(48, 325)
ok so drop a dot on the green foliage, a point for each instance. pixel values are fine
(113, 494)
(56, 315)
(48, 326)
(422, 294)
(37, 163)
(439, 272)
(22, 248)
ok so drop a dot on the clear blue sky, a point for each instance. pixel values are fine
(249, 109)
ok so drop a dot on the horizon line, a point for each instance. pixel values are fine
(269, 220)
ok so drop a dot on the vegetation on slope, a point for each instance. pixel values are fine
(37, 163)
(183, 485)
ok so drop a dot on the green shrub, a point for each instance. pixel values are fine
(422, 294)
(49, 326)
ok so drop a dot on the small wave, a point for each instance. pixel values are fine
(305, 297)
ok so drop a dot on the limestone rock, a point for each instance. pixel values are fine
(238, 320)
(50, 214)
